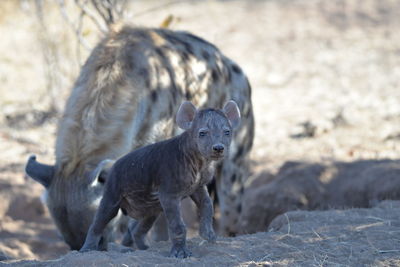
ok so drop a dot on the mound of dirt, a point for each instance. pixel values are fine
(311, 186)
(336, 237)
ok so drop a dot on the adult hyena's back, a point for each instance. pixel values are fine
(128, 93)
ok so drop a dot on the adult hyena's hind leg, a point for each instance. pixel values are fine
(231, 176)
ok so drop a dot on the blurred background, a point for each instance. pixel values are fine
(326, 96)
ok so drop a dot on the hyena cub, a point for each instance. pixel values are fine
(155, 178)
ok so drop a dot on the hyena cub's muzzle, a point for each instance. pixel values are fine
(218, 151)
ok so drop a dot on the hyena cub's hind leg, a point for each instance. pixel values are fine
(160, 229)
(107, 210)
(127, 239)
(137, 231)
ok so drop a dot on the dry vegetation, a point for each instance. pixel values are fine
(326, 80)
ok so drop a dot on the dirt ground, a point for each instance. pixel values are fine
(326, 94)
(357, 237)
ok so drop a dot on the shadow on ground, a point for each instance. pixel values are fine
(311, 186)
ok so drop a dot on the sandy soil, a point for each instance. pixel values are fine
(358, 237)
(326, 79)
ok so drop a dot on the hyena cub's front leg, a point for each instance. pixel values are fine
(205, 207)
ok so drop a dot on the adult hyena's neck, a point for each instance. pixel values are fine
(95, 128)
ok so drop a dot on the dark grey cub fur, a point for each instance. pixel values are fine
(155, 178)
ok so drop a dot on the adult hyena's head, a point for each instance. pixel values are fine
(73, 200)
(210, 129)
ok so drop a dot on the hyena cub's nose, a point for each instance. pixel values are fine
(218, 148)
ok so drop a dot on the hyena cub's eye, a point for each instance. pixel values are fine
(202, 133)
(227, 132)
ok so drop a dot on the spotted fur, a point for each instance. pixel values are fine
(127, 96)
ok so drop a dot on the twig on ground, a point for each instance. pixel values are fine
(316, 233)
(287, 218)
(388, 251)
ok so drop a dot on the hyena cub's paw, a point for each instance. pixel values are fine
(208, 234)
(180, 252)
(141, 244)
(126, 250)
(87, 249)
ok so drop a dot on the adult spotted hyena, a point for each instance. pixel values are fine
(126, 96)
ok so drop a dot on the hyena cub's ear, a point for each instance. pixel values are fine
(185, 115)
(232, 112)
